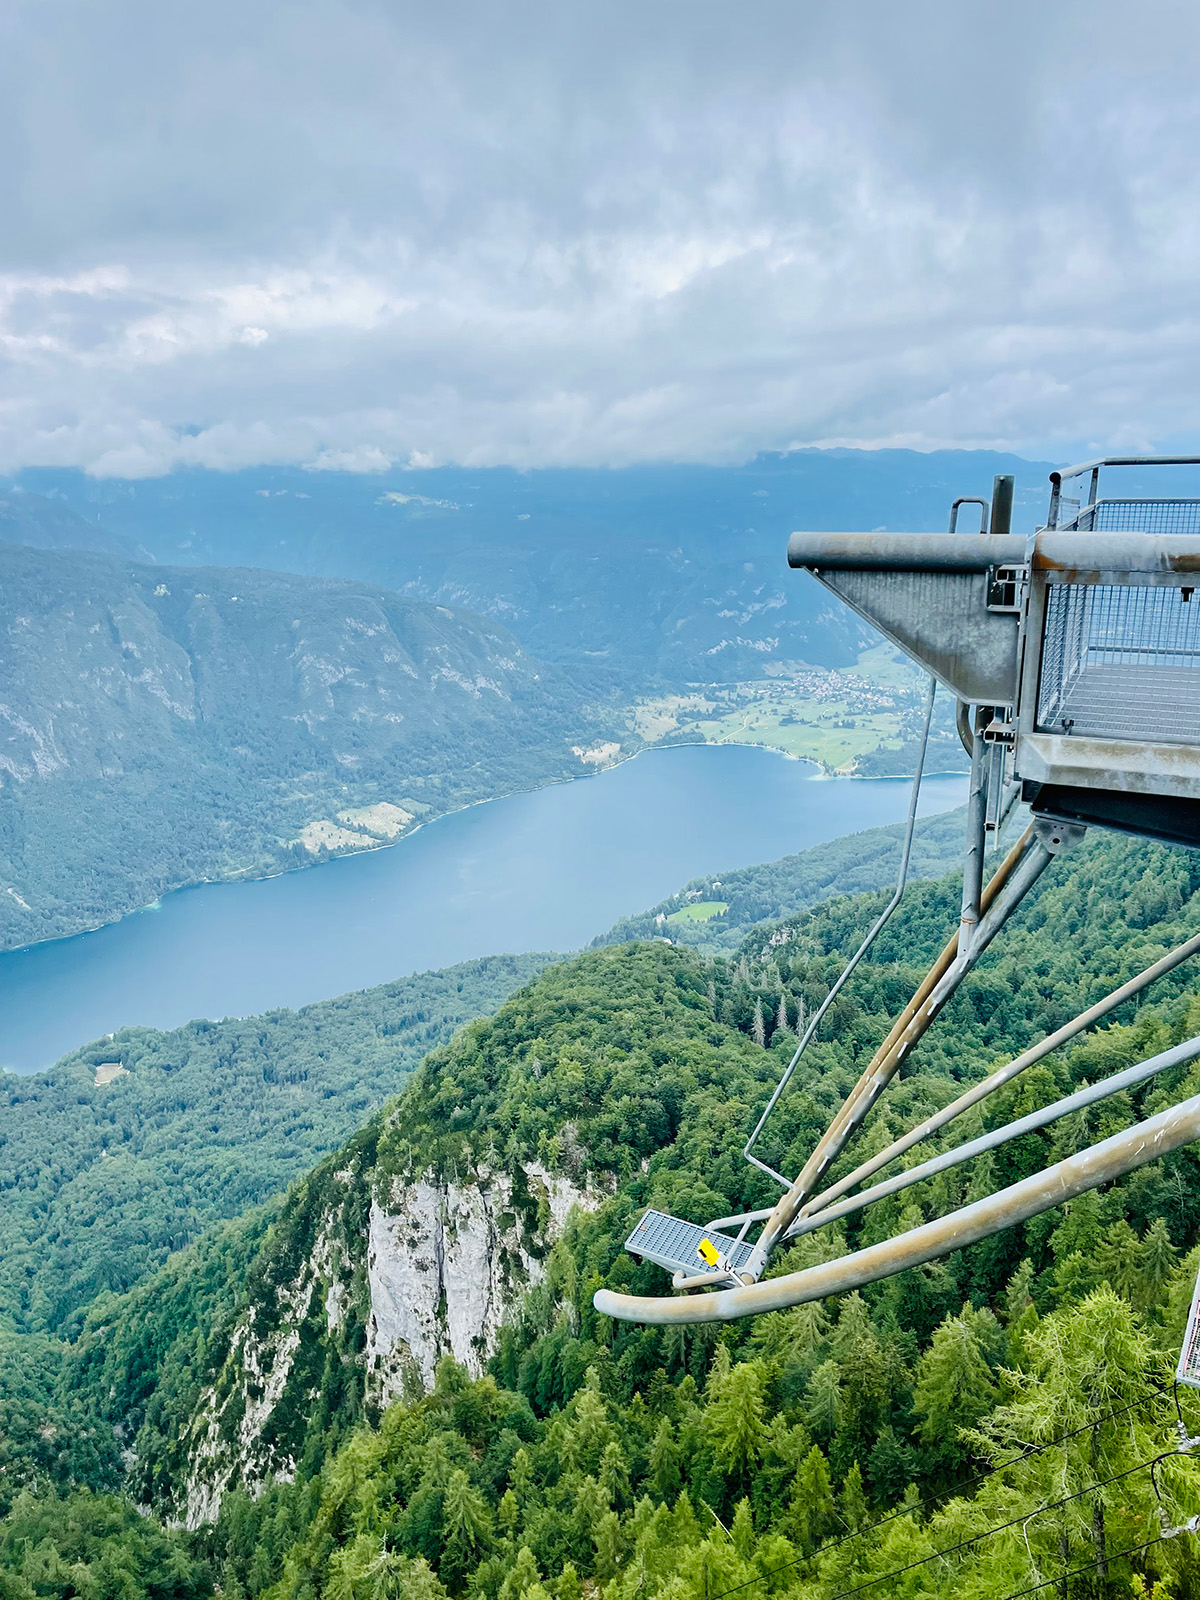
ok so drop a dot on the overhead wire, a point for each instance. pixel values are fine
(1091, 1566)
(962, 1487)
(1003, 1527)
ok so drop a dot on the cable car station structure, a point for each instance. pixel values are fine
(1074, 656)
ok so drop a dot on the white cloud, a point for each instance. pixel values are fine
(593, 235)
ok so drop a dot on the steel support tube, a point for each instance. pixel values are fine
(1079, 1101)
(1113, 1158)
(912, 1022)
(904, 552)
(1002, 1075)
(972, 888)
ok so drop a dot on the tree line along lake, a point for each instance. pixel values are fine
(546, 870)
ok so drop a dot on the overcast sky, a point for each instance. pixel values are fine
(593, 232)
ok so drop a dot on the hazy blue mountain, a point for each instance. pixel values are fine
(51, 524)
(672, 570)
(159, 726)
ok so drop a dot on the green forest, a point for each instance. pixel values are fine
(102, 1180)
(998, 1423)
(167, 725)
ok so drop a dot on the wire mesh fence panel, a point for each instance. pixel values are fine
(1121, 662)
(1131, 516)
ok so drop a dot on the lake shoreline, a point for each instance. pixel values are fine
(247, 875)
(544, 869)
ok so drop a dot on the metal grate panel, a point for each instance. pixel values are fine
(1121, 662)
(672, 1243)
(1133, 516)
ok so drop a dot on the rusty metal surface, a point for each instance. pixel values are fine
(1135, 1147)
(1106, 557)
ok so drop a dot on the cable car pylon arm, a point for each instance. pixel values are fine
(1008, 885)
(1005, 1074)
(1102, 1163)
(1075, 658)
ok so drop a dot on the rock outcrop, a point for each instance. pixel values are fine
(387, 1287)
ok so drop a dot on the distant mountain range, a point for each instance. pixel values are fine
(163, 725)
(675, 572)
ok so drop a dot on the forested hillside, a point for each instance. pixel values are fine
(160, 726)
(131, 1146)
(563, 1450)
(771, 891)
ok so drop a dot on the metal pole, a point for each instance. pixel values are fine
(1002, 1075)
(976, 834)
(815, 1022)
(1113, 1158)
(1002, 503)
(1055, 499)
(912, 1022)
(1079, 1101)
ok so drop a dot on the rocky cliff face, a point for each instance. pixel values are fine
(397, 1274)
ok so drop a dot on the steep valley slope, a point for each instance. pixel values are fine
(474, 1217)
(131, 1146)
(160, 726)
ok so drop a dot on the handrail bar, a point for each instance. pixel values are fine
(1063, 474)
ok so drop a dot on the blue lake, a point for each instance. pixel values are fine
(542, 871)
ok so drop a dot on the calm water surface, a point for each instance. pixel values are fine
(542, 871)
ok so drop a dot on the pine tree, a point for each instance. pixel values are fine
(892, 1466)
(954, 1388)
(1158, 1256)
(823, 1402)
(589, 1430)
(781, 1016)
(852, 1502)
(1119, 1259)
(613, 1476)
(508, 1514)
(665, 1457)
(733, 1419)
(568, 1586)
(520, 1576)
(742, 1530)
(610, 1547)
(1018, 1294)
(520, 1478)
(758, 1031)
(466, 1527)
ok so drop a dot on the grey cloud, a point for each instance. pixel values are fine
(351, 234)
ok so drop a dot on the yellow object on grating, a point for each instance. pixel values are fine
(709, 1251)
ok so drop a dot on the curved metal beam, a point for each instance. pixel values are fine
(1112, 1158)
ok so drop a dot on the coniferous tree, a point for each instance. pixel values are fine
(758, 1031)
(665, 1458)
(467, 1528)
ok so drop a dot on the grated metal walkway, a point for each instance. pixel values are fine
(674, 1245)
